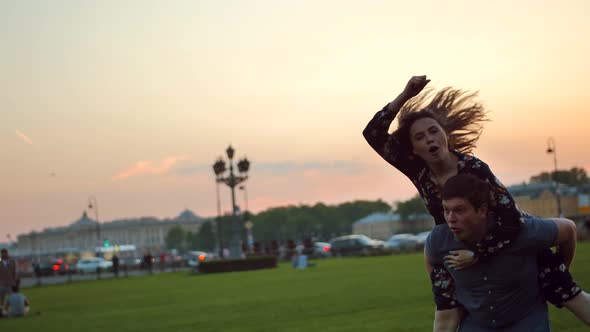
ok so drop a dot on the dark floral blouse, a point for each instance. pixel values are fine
(506, 218)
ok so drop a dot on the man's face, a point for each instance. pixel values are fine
(4, 255)
(467, 223)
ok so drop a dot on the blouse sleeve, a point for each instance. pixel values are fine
(507, 218)
(388, 146)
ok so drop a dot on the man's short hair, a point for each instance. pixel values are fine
(4, 250)
(469, 187)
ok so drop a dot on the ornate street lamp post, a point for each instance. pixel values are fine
(93, 205)
(247, 222)
(245, 190)
(219, 169)
(552, 150)
(232, 181)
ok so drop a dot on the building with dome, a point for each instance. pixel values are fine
(85, 234)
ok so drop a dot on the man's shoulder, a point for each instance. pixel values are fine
(537, 232)
(11, 297)
(438, 236)
(439, 231)
(534, 225)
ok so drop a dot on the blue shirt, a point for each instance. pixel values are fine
(16, 302)
(502, 292)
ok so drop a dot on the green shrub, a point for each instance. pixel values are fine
(231, 265)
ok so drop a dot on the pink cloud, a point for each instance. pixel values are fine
(150, 167)
(23, 137)
(329, 187)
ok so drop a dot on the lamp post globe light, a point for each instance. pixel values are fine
(232, 180)
(552, 150)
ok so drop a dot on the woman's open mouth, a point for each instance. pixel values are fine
(433, 149)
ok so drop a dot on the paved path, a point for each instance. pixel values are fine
(53, 280)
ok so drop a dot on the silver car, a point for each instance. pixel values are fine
(322, 249)
(89, 265)
(402, 242)
(196, 257)
(421, 239)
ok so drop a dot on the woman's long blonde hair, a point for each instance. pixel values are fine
(455, 110)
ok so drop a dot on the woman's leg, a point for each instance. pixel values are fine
(443, 288)
(559, 287)
(579, 305)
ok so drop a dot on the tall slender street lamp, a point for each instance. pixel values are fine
(245, 190)
(552, 150)
(232, 181)
(93, 205)
(247, 221)
(219, 169)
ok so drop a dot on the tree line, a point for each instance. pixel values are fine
(320, 221)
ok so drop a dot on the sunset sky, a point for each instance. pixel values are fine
(132, 101)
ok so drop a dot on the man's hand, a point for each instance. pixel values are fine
(460, 259)
(415, 85)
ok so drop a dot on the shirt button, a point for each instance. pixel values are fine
(493, 321)
(491, 307)
(485, 278)
(489, 292)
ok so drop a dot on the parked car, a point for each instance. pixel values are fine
(322, 249)
(421, 239)
(194, 258)
(402, 242)
(53, 267)
(356, 244)
(130, 262)
(318, 249)
(89, 265)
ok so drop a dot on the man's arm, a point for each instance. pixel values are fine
(444, 320)
(566, 239)
(389, 147)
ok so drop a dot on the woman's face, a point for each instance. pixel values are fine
(429, 140)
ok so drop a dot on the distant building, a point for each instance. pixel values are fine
(82, 234)
(6, 245)
(539, 199)
(381, 226)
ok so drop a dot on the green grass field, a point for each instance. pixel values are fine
(353, 294)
